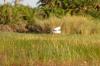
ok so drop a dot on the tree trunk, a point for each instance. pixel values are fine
(5, 1)
(17, 2)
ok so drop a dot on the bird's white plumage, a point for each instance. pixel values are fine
(57, 30)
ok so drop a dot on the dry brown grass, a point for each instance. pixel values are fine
(70, 25)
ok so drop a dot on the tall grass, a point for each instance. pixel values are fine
(79, 25)
(70, 24)
(49, 50)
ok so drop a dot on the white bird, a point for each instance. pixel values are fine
(57, 30)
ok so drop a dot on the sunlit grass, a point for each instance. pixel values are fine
(36, 49)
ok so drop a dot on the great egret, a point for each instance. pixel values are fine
(57, 30)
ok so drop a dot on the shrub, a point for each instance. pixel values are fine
(13, 14)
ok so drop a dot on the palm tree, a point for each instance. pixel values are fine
(53, 3)
(44, 2)
(17, 2)
(5, 1)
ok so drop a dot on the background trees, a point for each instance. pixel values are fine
(71, 6)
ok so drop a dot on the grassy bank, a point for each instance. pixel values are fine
(49, 50)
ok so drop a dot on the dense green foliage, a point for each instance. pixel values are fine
(60, 7)
(15, 18)
(14, 14)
